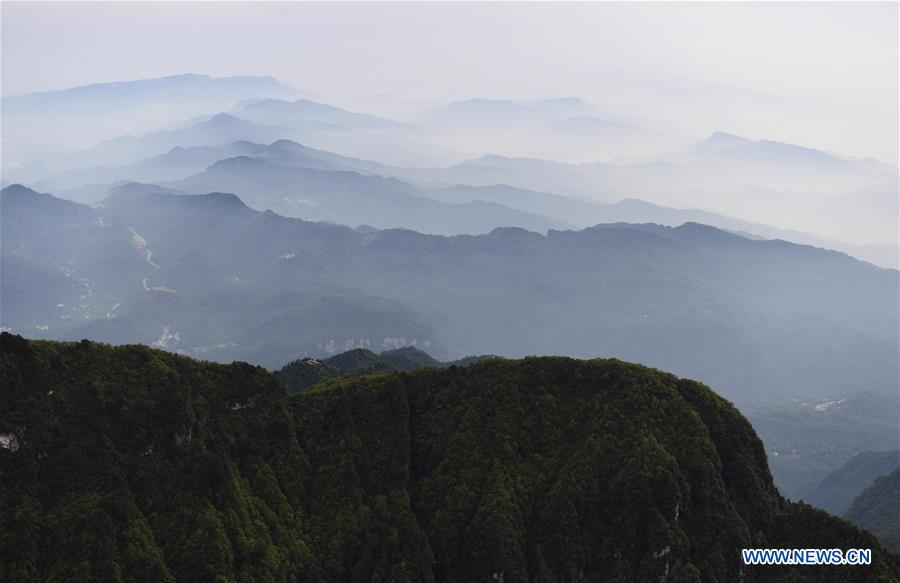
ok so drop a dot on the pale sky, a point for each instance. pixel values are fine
(832, 66)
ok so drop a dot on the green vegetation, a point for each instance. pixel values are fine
(409, 358)
(877, 509)
(301, 374)
(134, 464)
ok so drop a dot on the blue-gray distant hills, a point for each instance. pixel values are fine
(38, 124)
(307, 114)
(833, 201)
(209, 276)
(837, 491)
(272, 176)
(134, 94)
(352, 198)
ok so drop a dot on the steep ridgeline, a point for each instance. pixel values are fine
(877, 509)
(837, 491)
(130, 464)
(303, 373)
(210, 277)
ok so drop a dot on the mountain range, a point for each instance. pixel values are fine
(209, 276)
(304, 114)
(351, 198)
(139, 465)
(258, 174)
(810, 196)
(363, 259)
(56, 124)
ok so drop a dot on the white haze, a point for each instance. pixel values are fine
(651, 80)
(819, 74)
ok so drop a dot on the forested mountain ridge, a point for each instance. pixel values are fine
(877, 509)
(303, 373)
(136, 465)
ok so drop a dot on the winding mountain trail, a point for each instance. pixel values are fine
(141, 245)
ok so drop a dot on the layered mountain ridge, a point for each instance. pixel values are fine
(210, 276)
(491, 191)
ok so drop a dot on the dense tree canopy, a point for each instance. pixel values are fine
(877, 509)
(131, 464)
(303, 373)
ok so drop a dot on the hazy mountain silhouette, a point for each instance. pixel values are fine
(36, 125)
(837, 491)
(264, 287)
(303, 113)
(353, 199)
(477, 176)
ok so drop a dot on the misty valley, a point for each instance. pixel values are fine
(259, 330)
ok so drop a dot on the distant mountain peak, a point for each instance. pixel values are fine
(284, 142)
(708, 232)
(133, 189)
(719, 141)
(149, 192)
(315, 104)
(287, 146)
(306, 110)
(18, 189)
(719, 136)
(220, 198)
(237, 162)
(224, 119)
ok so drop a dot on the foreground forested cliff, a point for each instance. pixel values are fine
(131, 464)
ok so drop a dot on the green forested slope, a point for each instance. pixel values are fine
(877, 509)
(138, 465)
(300, 374)
(837, 491)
